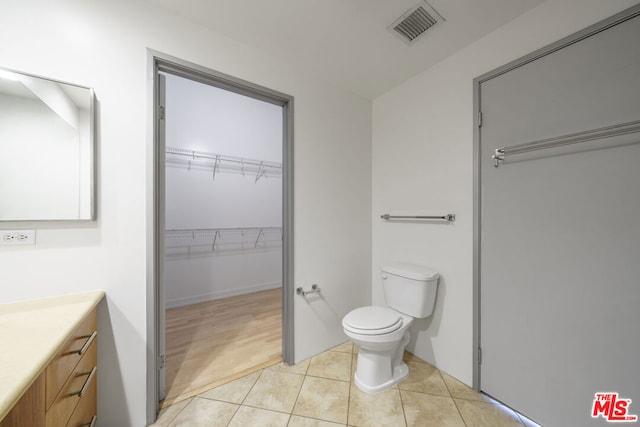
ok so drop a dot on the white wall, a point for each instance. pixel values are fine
(422, 163)
(204, 118)
(103, 45)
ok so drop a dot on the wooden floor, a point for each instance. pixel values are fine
(215, 341)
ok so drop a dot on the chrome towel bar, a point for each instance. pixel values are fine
(447, 217)
(572, 138)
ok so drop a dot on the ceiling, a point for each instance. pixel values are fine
(348, 41)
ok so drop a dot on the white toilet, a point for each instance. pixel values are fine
(381, 333)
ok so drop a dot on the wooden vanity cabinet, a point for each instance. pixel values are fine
(65, 394)
(29, 411)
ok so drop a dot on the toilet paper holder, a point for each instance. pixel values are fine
(315, 289)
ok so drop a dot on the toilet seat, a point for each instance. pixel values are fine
(372, 321)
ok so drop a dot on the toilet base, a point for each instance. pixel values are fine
(380, 367)
(400, 372)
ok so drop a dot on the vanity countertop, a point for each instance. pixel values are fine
(31, 332)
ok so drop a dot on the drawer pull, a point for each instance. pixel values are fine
(87, 344)
(86, 383)
(91, 423)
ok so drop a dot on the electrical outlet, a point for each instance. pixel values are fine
(17, 237)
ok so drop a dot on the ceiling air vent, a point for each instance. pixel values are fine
(414, 22)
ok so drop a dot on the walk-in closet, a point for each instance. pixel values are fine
(222, 270)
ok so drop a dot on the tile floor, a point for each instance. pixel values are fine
(320, 393)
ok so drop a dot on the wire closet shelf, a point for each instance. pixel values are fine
(223, 163)
(253, 237)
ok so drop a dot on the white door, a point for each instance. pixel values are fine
(160, 216)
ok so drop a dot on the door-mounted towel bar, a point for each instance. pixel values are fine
(447, 217)
(501, 153)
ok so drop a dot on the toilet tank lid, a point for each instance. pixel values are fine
(409, 271)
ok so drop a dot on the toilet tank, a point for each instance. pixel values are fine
(410, 288)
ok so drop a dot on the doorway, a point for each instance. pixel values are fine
(222, 227)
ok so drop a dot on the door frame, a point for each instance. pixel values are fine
(613, 20)
(156, 62)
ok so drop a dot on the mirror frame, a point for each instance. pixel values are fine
(92, 149)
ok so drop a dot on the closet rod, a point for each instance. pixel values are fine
(572, 138)
(194, 155)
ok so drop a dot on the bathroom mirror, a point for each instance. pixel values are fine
(46, 149)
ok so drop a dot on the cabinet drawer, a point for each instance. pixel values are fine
(87, 410)
(62, 365)
(29, 411)
(76, 387)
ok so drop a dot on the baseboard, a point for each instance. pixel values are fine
(210, 296)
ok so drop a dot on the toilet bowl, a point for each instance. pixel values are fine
(382, 333)
(381, 341)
